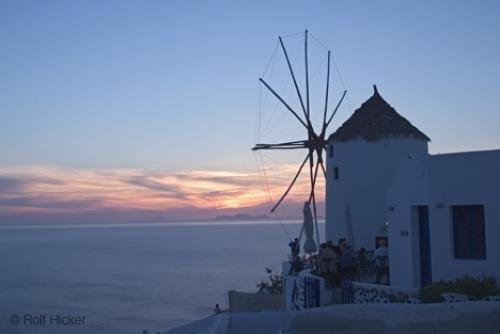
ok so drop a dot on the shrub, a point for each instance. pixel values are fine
(432, 293)
(472, 287)
(272, 285)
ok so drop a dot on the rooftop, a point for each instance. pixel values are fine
(376, 120)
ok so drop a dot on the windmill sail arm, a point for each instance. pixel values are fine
(291, 184)
(313, 179)
(290, 68)
(307, 76)
(323, 168)
(284, 103)
(312, 196)
(327, 88)
(280, 146)
(325, 125)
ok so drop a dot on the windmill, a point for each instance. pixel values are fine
(316, 141)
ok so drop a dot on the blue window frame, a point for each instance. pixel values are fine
(469, 237)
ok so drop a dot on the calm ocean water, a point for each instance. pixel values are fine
(125, 278)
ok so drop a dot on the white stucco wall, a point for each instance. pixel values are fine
(366, 171)
(410, 189)
(441, 181)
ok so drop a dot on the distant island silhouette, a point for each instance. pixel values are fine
(241, 217)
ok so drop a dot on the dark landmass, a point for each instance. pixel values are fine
(241, 217)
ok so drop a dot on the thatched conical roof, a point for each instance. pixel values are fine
(376, 120)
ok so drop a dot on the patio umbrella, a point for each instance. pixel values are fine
(310, 244)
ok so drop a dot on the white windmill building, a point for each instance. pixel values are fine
(363, 156)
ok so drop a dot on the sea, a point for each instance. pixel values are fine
(130, 278)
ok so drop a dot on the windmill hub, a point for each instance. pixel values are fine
(315, 143)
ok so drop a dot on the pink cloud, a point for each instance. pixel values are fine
(53, 193)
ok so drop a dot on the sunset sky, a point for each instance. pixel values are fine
(146, 110)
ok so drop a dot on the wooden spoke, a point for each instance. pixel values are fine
(291, 184)
(281, 146)
(334, 111)
(294, 80)
(307, 78)
(283, 102)
(313, 197)
(327, 88)
(323, 168)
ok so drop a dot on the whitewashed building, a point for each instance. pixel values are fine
(444, 218)
(442, 212)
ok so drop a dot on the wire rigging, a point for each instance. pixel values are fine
(269, 199)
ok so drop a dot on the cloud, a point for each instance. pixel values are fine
(8, 184)
(147, 182)
(234, 179)
(12, 183)
(59, 193)
(41, 202)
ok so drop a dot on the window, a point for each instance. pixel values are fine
(330, 151)
(335, 173)
(469, 240)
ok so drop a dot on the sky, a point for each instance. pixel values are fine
(146, 110)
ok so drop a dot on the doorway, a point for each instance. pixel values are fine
(424, 245)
